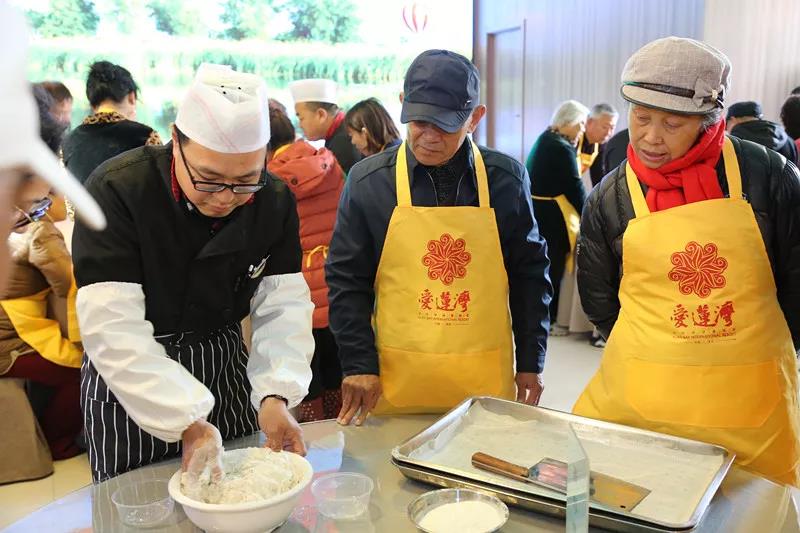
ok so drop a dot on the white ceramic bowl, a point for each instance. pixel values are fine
(249, 517)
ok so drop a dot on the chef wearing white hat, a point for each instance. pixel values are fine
(320, 118)
(199, 237)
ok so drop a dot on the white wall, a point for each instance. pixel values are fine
(577, 48)
(762, 40)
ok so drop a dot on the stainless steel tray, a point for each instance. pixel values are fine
(616, 520)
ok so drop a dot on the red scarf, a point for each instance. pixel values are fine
(688, 179)
(337, 121)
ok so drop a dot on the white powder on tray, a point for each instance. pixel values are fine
(471, 516)
(251, 474)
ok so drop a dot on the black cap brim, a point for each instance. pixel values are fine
(446, 119)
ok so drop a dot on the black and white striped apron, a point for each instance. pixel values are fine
(219, 360)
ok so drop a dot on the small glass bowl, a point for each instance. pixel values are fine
(144, 504)
(430, 500)
(342, 496)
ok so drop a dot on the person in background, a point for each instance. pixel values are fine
(111, 129)
(790, 116)
(435, 258)
(28, 168)
(31, 343)
(688, 263)
(62, 101)
(558, 192)
(746, 121)
(320, 118)
(600, 126)
(316, 181)
(371, 128)
(616, 150)
(275, 104)
(28, 172)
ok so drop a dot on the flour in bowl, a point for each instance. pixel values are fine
(251, 475)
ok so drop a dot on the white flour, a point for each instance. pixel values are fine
(464, 517)
(251, 474)
(677, 479)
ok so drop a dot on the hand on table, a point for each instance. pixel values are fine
(202, 448)
(282, 430)
(529, 387)
(360, 394)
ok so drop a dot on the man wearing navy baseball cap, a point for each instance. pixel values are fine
(437, 273)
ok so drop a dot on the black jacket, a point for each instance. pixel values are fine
(194, 277)
(598, 169)
(553, 168)
(768, 134)
(346, 154)
(366, 205)
(90, 144)
(770, 183)
(615, 152)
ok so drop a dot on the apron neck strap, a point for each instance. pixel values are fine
(640, 207)
(732, 173)
(401, 177)
(404, 185)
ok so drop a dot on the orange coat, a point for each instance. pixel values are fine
(316, 180)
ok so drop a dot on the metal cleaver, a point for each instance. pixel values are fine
(552, 474)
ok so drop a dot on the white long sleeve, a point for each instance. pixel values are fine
(280, 363)
(159, 394)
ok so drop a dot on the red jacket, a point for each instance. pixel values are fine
(316, 180)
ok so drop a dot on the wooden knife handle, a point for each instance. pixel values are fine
(487, 462)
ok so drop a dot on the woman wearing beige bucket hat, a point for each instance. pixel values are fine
(704, 322)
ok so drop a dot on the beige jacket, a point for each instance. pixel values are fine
(39, 260)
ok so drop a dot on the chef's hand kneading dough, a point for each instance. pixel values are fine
(248, 475)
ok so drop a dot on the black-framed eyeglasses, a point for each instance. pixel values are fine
(212, 186)
(36, 212)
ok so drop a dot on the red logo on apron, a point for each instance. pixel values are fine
(704, 316)
(698, 269)
(447, 259)
(446, 301)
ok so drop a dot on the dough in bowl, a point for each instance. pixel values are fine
(251, 475)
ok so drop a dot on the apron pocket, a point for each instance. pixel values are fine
(424, 382)
(721, 396)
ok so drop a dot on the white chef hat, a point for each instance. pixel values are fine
(225, 111)
(20, 143)
(313, 90)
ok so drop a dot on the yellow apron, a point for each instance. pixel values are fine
(29, 317)
(701, 348)
(572, 221)
(586, 160)
(442, 323)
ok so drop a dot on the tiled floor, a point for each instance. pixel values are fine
(571, 362)
(20, 499)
